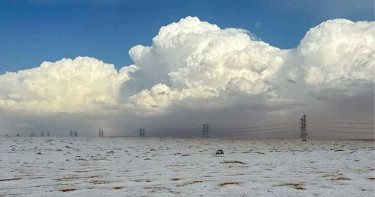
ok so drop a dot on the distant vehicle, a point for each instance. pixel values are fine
(219, 152)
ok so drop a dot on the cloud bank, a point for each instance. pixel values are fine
(79, 85)
(194, 65)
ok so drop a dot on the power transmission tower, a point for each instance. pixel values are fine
(303, 132)
(101, 133)
(75, 133)
(141, 132)
(205, 130)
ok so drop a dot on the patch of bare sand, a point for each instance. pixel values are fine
(229, 183)
(11, 179)
(67, 190)
(233, 162)
(298, 186)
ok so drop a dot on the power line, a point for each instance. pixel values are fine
(254, 131)
(329, 126)
(334, 131)
(272, 132)
(339, 122)
(257, 130)
(176, 130)
(315, 125)
(259, 126)
(265, 133)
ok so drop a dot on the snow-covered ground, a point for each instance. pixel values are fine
(185, 167)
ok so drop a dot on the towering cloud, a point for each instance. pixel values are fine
(193, 63)
(338, 51)
(338, 60)
(196, 59)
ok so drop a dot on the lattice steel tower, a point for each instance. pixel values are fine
(303, 133)
(141, 132)
(205, 129)
(101, 133)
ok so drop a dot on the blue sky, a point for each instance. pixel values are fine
(33, 31)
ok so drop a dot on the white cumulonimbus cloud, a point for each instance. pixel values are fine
(79, 85)
(196, 59)
(338, 51)
(193, 61)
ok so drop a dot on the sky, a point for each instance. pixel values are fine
(33, 31)
(170, 66)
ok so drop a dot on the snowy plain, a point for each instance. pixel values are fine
(43, 166)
